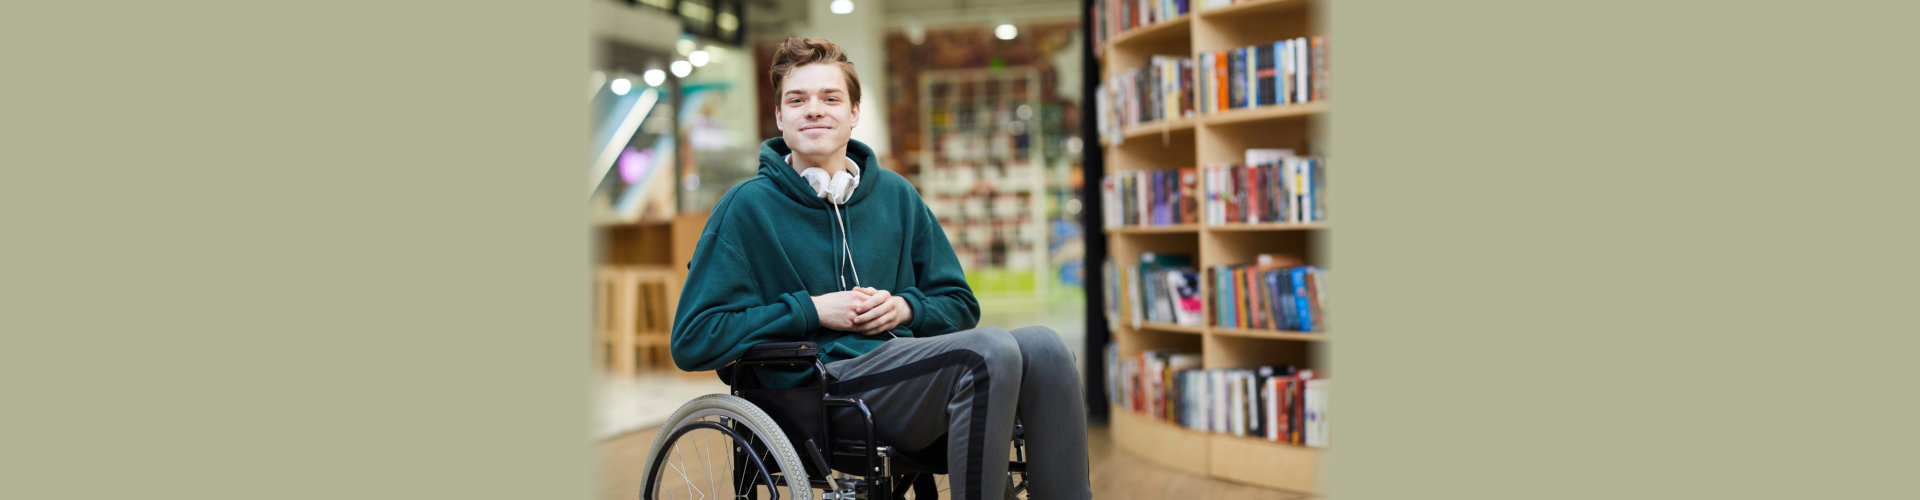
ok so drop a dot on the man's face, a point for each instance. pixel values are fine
(815, 113)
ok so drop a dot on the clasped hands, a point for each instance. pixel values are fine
(867, 311)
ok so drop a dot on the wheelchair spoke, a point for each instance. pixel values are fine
(706, 463)
(682, 470)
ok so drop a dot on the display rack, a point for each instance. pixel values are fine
(983, 176)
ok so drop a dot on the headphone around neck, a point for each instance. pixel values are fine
(837, 188)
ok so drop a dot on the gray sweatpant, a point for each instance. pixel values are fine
(969, 386)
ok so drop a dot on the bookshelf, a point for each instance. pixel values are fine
(983, 175)
(1197, 140)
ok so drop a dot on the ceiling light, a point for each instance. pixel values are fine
(1006, 32)
(841, 6)
(698, 58)
(684, 46)
(654, 77)
(621, 86)
(916, 33)
(681, 68)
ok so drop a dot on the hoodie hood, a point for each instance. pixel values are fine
(774, 166)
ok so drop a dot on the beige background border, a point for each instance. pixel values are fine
(301, 250)
(1602, 250)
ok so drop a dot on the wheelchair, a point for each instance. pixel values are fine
(759, 442)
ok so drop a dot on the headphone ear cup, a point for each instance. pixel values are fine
(842, 187)
(817, 179)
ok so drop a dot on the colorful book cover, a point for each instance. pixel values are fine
(1319, 68)
(1220, 80)
(1189, 195)
(1314, 307)
(1301, 307)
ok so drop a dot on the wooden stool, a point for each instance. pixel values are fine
(634, 316)
(610, 317)
(656, 293)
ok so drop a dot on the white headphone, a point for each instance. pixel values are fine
(836, 189)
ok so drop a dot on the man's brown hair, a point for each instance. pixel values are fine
(796, 52)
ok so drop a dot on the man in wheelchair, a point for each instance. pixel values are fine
(830, 265)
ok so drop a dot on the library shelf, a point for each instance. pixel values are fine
(1266, 463)
(1173, 126)
(1160, 442)
(1173, 327)
(1268, 334)
(1253, 8)
(1168, 229)
(1171, 30)
(1267, 226)
(1243, 459)
(1263, 114)
(1210, 139)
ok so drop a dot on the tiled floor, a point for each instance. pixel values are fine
(629, 404)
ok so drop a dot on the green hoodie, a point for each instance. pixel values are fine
(770, 246)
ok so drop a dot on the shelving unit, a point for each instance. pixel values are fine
(1205, 139)
(984, 176)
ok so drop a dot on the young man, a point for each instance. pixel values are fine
(827, 245)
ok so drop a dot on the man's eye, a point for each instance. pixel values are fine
(793, 101)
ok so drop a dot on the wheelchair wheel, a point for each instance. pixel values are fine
(1016, 487)
(721, 446)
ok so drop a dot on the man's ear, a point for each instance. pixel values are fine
(855, 115)
(777, 124)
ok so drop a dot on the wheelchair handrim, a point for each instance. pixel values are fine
(653, 475)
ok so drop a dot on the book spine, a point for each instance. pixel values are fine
(1313, 299)
(1189, 195)
(1319, 68)
(1299, 278)
(1300, 57)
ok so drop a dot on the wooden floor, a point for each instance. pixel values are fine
(1116, 474)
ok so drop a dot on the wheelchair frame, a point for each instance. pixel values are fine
(878, 479)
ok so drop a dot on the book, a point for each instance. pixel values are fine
(1185, 283)
(1189, 195)
(1319, 67)
(1315, 396)
(1313, 299)
(1299, 47)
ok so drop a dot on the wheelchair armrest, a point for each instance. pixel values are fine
(782, 351)
(789, 354)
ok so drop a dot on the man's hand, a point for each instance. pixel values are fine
(880, 312)
(837, 310)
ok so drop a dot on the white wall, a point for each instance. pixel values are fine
(859, 33)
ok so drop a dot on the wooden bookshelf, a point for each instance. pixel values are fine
(1171, 31)
(1206, 139)
(1268, 334)
(1257, 115)
(1170, 229)
(1149, 129)
(1265, 463)
(1267, 226)
(1171, 445)
(1256, 8)
(1172, 327)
